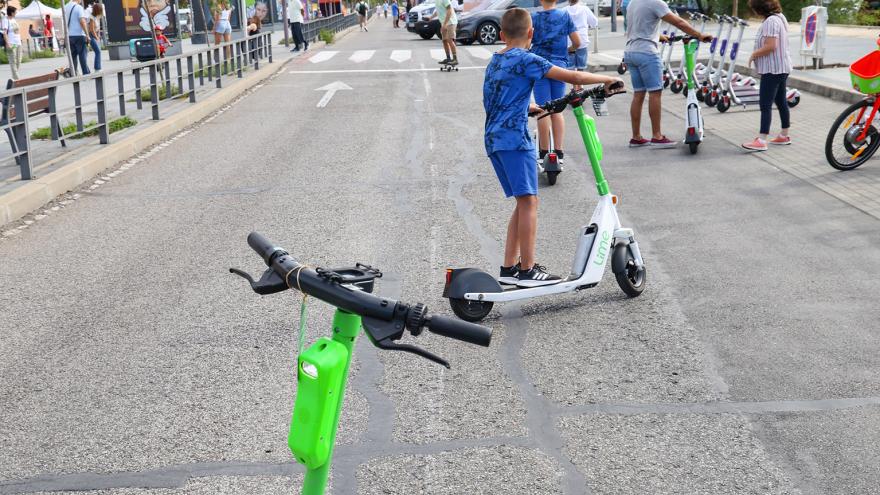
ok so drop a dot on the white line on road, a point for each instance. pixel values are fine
(479, 52)
(355, 71)
(322, 56)
(331, 90)
(438, 54)
(361, 56)
(401, 55)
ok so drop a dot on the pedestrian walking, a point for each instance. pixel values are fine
(645, 67)
(395, 13)
(448, 22)
(13, 41)
(362, 8)
(773, 63)
(385, 9)
(583, 19)
(94, 26)
(222, 27)
(296, 21)
(78, 34)
(49, 32)
(623, 6)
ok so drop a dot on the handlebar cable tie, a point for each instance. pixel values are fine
(298, 269)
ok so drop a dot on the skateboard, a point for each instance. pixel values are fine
(448, 67)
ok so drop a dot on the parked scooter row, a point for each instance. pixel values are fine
(719, 85)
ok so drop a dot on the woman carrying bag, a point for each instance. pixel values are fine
(95, 32)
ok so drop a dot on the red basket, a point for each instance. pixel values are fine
(865, 73)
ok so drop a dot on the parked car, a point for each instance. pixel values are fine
(605, 7)
(422, 22)
(484, 26)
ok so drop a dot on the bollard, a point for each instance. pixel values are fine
(120, 86)
(103, 131)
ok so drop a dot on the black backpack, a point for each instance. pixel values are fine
(362, 8)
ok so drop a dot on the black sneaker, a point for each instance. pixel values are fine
(445, 61)
(508, 275)
(536, 277)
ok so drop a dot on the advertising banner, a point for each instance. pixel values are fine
(127, 19)
(203, 17)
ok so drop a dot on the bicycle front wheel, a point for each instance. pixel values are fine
(848, 144)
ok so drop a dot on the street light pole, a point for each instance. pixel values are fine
(613, 16)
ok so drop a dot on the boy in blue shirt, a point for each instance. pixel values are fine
(554, 29)
(510, 78)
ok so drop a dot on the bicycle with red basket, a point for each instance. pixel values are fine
(854, 137)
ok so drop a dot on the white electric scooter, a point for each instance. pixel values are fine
(472, 292)
(679, 84)
(737, 90)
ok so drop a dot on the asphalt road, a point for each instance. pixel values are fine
(131, 361)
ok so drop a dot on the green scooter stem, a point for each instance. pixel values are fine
(346, 328)
(690, 50)
(587, 126)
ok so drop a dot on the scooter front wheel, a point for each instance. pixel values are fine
(711, 99)
(621, 68)
(794, 101)
(676, 86)
(472, 311)
(723, 104)
(630, 278)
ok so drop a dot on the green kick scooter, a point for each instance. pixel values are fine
(693, 132)
(322, 369)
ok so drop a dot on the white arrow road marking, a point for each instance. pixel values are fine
(361, 56)
(438, 54)
(479, 52)
(401, 55)
(322, 57)
(331, 90)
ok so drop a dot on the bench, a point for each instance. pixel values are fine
(38, 102)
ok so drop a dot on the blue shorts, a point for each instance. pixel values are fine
(578, 59)
(646, 70)
(517, 172)
(548, 89)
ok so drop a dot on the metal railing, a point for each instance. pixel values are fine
(334, 23)
(139, 89)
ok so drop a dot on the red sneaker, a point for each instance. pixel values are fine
(781, 140)
(638, 143)
(757, 145)
(662, 143)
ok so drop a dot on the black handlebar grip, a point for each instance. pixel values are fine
(264, 247)
(460, 330)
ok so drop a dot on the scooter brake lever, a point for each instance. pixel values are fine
(269, 283)
(389, 345)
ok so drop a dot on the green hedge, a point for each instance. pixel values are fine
(90, 128)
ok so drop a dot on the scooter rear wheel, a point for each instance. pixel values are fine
(631, 279)
(551, 178)
(693, 147)
(472, 311)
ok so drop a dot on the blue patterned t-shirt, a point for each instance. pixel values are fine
(507, 92)
(552, 28)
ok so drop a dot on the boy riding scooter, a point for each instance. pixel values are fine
(507, 89)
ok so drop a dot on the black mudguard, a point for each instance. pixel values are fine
(618, 257)
(464, 280)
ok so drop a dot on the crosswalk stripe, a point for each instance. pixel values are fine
(361, 56)
(479, 52)
(401, 55)
(438, 54)
(322, 56)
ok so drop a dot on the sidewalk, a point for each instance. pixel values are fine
(804, 158)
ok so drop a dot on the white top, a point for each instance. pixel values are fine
(224, 15)
(12, 35)
(583, 19)
(294, 13)
(779, 61)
